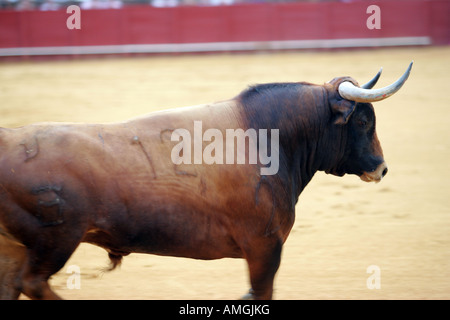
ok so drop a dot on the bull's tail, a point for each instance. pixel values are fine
(115, 261)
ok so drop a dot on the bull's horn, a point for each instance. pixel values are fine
(371, 83)
(349, 91)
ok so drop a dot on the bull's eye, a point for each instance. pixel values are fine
(362, 123)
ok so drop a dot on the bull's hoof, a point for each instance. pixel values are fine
(248, 296)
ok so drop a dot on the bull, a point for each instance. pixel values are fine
(117, 185)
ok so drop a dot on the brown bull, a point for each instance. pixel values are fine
(135, 186)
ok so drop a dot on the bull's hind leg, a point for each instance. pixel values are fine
(12, 259)
(48, 240)
(39, 267)
(263, 262)
(46, 254)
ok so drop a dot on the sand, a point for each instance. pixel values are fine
(397, 229)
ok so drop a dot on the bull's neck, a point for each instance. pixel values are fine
(299, 112)
(302, 161)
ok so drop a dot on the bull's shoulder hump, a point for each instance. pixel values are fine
(176, 117)
(186, 110)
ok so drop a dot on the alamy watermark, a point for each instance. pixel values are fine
(190, 149)
(74, 20)
(74, 280)
(374, 20)
(374, 280)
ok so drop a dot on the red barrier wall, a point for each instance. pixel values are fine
(255, 22)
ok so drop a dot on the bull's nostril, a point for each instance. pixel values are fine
(385, 171)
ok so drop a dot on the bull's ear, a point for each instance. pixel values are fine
(342, 110)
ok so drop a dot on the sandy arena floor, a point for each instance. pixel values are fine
(343, 225)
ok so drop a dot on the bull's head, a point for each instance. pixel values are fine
(354, 112)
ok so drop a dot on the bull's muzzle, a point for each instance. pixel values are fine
(376, 175)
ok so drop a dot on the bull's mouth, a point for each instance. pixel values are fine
(367, 177)
(376, 175)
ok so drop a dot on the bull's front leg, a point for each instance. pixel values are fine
(263, 262)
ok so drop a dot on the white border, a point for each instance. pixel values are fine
(216, 46)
